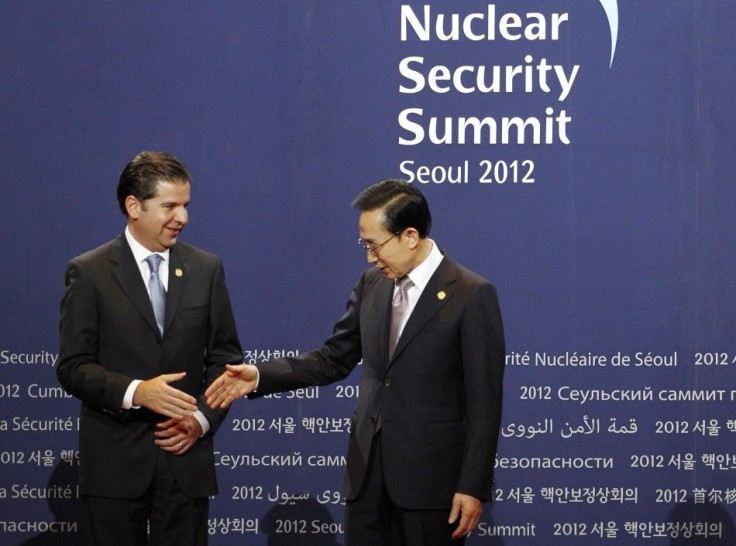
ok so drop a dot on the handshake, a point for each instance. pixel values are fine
(236, 382)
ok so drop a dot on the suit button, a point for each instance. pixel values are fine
(386, 382)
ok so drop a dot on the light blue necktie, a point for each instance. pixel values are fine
(158, 296)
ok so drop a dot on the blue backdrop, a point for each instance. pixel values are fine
(578, 154)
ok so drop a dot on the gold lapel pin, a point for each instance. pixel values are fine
(178, 272)
(441, 295)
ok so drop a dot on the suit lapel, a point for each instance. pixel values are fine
(128, 275)
(436, 294)
(178, 278)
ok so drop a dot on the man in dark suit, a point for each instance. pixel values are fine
(146, 325)
(424, 433)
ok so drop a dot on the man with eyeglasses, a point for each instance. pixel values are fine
(423, 436)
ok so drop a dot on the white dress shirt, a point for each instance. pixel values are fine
(420, 276)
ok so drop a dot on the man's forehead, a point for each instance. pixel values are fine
(371, 224)
(171, 186)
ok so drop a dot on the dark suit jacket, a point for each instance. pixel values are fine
(109, 337)
(439, 397)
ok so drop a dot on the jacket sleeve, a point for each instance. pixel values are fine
(483, 354)
(223, 344)
(332, 362)
(79, 371)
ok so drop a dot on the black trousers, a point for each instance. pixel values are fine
(163, 516)
(373, 519)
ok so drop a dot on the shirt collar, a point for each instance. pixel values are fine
(140, 252)
(421, 274)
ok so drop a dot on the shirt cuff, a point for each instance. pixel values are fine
(199, 416)
(129, 392)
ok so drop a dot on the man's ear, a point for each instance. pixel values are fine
(413, 236)
(133, 206)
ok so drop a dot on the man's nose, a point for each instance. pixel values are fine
(182, 216)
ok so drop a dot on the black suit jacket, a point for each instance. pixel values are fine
(439, 396)
(108, 337)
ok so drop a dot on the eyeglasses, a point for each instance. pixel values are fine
(373, 249)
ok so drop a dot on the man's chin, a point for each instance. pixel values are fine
(168, 243)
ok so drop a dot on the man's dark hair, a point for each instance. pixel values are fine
(141, 176)
(403, 205)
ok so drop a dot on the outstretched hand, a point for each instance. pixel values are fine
(158, 396)
(235, 382)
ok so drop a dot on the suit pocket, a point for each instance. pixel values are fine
(191, 323)
(191, 317)
(192, 311)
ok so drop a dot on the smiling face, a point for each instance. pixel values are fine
(156, 222)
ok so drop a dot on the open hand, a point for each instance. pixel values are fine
(234, 383)
(158, 396)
